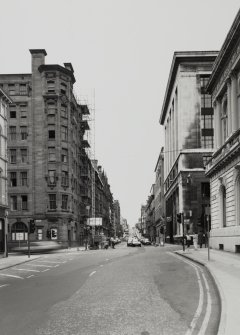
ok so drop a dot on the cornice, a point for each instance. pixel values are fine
(56, 67)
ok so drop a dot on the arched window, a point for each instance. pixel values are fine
(222, 206)
(19, 231)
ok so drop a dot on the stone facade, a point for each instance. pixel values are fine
(4, 109)
(224, 166)
(45, 145)
(187, 117)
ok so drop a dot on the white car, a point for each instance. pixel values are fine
(136, 242)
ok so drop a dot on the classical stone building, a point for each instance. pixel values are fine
(187, 117)
(4, 107)
(45, 149)
(224, 167)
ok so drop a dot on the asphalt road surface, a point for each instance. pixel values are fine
(122, 291)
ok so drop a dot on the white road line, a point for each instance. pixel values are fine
(28, 270)
(92, 273)
(200, 301)
(12, 276)
(51, 262)
(208, 309)
(45, 270)
(30, 276)
(40, 265)
(101, 265)
(107, 259)
(4, 285)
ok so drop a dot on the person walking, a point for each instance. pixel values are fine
(188, 241)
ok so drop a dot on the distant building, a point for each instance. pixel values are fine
(45, 146)
(117, 218)
(187, 117)
(223, 169)
(150, 215)
(159, 202)
(4, 108)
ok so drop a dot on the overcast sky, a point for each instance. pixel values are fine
(121, 50)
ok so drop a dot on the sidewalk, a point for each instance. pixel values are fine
(13, 260)
(225, 270)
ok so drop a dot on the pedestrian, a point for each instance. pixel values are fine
(188, 241)
(86, 243)
(200, 238)
(195, 241)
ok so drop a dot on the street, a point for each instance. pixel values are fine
(147, 290)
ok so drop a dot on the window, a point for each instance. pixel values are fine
(24, 199)
(207, 142)
(23, 111)
(22, 89)
(13, 179)
(52, 177)
(39, 234)
(13, 156)
(64, 156)
(13, 113)
(205, 190)
(19, 231)
(52, 201)
(51, 134)
(13, 203)
(51, 86)
(11, 89)
(206, 121)
(63, 88)
(64, 201)
(24, 155)
(24, 133)
(51, 107)
(63, 111)
(205, 160)
(24, 178)
(225, 120)
(51, 154)
(64, 133)
(13, 133)
(224, 216)
(64, 178)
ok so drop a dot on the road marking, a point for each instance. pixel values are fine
(12, 276)
(101, 265)
(51, 262)
(29, 270)
(40, 265)
(30, 276)
(45, 270)
(107, 259)
(92, 273)
(208, 309)
(4, 285)
(200, 301)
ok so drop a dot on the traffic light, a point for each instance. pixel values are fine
(179, 217)
(31, 226)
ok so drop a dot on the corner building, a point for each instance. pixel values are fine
(45, 141)
(224, 167)
(187, 117)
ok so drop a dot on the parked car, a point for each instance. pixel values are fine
(146, 241)
(136, 243)
(129, 242)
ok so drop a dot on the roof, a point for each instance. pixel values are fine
(56, 67)
(225, 52)
(180, 57)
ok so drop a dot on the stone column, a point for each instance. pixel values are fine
(218, 123)
(229, 107)
(234, 103)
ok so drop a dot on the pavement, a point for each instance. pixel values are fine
(224, 267)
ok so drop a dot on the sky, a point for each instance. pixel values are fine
(121, 52)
